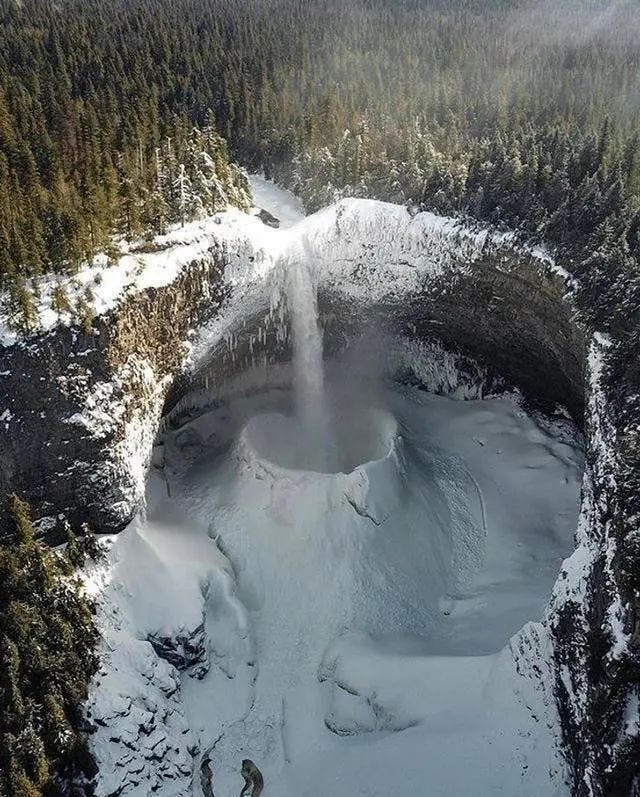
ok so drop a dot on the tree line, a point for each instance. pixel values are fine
(501, 109)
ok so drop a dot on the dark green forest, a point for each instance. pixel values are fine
(47, 656)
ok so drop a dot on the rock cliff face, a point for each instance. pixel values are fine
(78, 411)
(595, 608)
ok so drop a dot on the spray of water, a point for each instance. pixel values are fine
(311, 407)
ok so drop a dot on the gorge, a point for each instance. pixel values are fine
(329, 611)
(319, 398)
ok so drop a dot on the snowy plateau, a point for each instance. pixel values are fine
(338, 575)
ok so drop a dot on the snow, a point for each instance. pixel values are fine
(437, 370)
(575, 571)
(367, 629)
(109, 283)
(141, 734)
(468, 730)
(355, 625)
(277, 201)
(100, 412)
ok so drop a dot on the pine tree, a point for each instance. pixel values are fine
(183, 196)
(85, 312)
(157, 208)
(22, 519)
(23, 315)
(47, 643)
(60, 301)
(88, 544)
(72, 552)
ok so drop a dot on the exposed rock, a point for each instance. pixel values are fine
(187, 651)
(138, 728)
(253, 781)
(206, 776)
(266, 218)
(80, 411)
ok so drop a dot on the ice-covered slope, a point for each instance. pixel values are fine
(282, 204)
(356, 624)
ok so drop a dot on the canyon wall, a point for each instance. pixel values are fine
(79, 409)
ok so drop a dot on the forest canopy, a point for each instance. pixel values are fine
(47, 658)
(519, 112)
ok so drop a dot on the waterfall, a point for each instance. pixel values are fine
(311, 408)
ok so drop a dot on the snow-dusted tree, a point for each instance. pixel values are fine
(201, 169)
(207, 182)
(314, 178)
(157, 205)
(59, 300)
(184, 199)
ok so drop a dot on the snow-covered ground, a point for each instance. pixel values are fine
(155, 263)
(282, 204)
(361, 628)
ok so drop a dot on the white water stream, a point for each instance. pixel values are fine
(312, 422)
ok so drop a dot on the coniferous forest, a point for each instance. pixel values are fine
(47, 656)
(506, 110)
